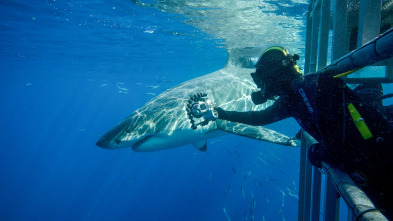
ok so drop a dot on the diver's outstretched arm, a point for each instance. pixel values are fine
(272, 114)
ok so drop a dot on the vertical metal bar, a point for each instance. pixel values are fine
(316, 194)
(350, 216)
(305, 178)
(369, 20)
(315, 37)
(318, 53)
(332, 202)
(308, 39)
(302, 179)
(323, 34)
(369, 27)
(305, 184)
(340, 41)
(302, 215)
(307, 207)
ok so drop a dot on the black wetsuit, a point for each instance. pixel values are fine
(320, 105)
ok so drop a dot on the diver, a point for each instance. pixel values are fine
(352, 133)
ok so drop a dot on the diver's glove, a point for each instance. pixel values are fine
(221, 113)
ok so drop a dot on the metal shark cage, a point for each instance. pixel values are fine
(334, 29)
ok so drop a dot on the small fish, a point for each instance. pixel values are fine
(209, 177)
(167, 81)
(281, 191)
(229, 152)
(253, 202)
(263, 161)
(282, 217)
(226, 214)
(293, 183)
(153, 86)
(149, 31)
(292, 194)
(245, 177)
(122, 90)
(251, 214)
(238, 155)
(234, 170)
(215, 141)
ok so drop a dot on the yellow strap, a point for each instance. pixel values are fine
(345, 74)
(359, 122)
(276, 48)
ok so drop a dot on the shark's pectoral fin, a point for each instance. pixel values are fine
(257, 132)
(201, 145)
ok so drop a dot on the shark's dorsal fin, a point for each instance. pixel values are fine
(201, 145)
(257, 132)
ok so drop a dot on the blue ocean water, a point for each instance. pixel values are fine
(70, 70)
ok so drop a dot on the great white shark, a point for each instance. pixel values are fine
(163, 123)
(247, 27)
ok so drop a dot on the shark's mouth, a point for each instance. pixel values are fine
(141, 141)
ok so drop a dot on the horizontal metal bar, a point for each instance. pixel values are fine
(357, 201)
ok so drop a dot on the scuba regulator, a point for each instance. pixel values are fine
(201, 109)
(258, 97)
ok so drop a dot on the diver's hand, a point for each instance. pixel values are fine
(220, 112)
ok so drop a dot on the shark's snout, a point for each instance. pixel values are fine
(104, 143)
(112, 139)
(108, 142)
